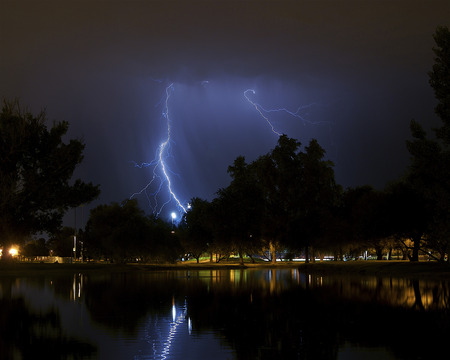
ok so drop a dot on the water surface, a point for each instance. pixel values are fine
(222, 314)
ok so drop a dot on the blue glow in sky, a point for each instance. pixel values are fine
(207, 125)
(357, 70)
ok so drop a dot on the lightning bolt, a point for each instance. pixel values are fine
(161, 345)
(262, 111)
(163, 146)
(161, 171)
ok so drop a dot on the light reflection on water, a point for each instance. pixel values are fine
(233, 314)
(408, 293)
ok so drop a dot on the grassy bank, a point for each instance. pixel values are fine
(31, 269)
(381, 268)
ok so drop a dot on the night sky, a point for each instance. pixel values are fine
(357, 70)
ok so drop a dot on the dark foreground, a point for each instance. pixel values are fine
(224, 311)
(382, 268)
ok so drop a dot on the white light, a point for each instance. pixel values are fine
(13, 251)
(174, 216)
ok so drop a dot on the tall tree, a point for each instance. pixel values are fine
(240, 208)
(439, 78)
(345, 225)
(162, 243)
(370, 218)
(36, 248)
(36, 168)
(122, 232)
(117, 232)
(196, 228)
(430, 158)
(409, 215)
(318, 195)
(427, 177)
(278, 174)
(61, 242)
(298, 192)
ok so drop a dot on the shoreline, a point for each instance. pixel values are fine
(435, 270)
(382, 268)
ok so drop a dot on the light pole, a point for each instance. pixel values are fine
(174, 216)
(75, 235)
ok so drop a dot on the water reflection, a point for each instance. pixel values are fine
(409, 293)
(233, 314)
(28, 327)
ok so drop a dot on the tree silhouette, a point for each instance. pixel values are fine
(36, 169)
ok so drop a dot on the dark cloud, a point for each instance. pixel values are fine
(104, 66)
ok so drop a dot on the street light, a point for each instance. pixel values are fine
(13, 251)
(174, 216)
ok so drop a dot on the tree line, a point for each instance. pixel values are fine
(284, 203)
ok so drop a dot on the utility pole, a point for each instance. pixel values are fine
(75, 236)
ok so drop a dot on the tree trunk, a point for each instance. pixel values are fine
(306, 255)
(418, 297)
(379, 252)
(241, 259)
(416, 247)
(273, 252)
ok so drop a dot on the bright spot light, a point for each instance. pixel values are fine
(13, 251)
(174, 313)
(174, 216)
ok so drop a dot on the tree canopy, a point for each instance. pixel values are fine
(196, 228)
(429, 172)
(282, 199)
(440, 80)
(36, 169)
(122, 232)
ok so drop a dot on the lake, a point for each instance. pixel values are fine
(222, 314)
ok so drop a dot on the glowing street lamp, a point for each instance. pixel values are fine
(174, 216)
(13, 252)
